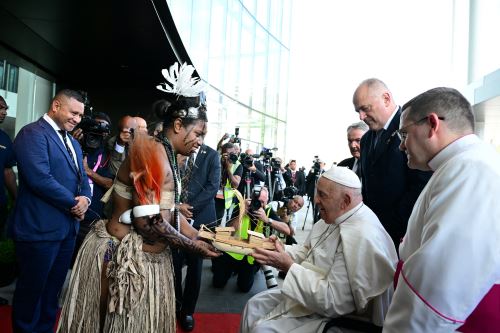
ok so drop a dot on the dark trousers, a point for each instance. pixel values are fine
(185, 300)
(42, 270)
(224, 266)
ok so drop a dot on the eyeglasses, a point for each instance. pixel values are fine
(402, 132)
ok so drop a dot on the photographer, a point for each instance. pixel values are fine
(118, 145)
(274, 172)
(92, 133)
(292, 203)
(253, 172)
(230, 179)
(312, 178)
(259, 217)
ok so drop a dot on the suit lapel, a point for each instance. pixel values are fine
(385, 139)
(200, 158)
(57, 140)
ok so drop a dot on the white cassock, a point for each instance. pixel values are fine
(451, 250)
(343, 268)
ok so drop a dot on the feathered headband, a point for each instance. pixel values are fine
(181, 82)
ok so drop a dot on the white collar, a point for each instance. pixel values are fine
(386, 126)
(346, 215)
(451, 150)
(52, 123)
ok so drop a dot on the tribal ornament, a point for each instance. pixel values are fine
(181, 82)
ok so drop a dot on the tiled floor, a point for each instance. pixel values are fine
(228, 299)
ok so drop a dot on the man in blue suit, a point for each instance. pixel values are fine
(200, 185)
(53, 197)
(390, 188)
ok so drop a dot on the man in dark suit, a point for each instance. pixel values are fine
(295, 178)
(354, 134)
(53, 196)
(200, 182)
(390, 188)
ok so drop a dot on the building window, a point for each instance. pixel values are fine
(9, 75)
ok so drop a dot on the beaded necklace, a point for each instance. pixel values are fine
(175, 170)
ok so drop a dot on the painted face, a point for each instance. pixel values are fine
(353, 140)
(413, 142)
(192, 137)
(66, 112)
(327, 200)
(371, 106)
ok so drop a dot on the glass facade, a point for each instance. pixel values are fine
(26, 93)
(241, 48)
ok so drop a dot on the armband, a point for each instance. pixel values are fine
(139, 211)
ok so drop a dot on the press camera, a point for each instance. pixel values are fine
(93, 130)
(286, 194)
(247, 160)
(316, 168)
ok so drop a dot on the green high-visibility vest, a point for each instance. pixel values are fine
(242, 232)
(228, 189)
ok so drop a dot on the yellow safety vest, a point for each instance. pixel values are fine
(245, 225)
(228, 189)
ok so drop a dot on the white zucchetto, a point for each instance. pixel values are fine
(342, 176)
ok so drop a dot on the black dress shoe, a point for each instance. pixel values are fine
(187, 322)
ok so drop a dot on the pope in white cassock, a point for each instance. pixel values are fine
(345, 266)
(449, 272)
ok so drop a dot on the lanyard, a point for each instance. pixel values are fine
(96, 166)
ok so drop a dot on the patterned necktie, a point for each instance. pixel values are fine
(72, 157)
(187, 177)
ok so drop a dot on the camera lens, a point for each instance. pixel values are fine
(269, 275)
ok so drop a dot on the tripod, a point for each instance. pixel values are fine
(248, 181)
(274, 184)
(315, 212)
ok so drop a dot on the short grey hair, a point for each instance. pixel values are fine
(361, 125)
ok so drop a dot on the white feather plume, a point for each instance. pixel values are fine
(181, 82)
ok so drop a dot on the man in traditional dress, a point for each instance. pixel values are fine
(449, 273)
(344, 267)
(122, 279)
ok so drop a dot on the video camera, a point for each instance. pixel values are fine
(94, 131)
(269, 160)
(316, 168)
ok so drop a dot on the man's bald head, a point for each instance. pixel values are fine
(141, 125)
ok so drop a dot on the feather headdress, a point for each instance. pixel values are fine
(181, 82)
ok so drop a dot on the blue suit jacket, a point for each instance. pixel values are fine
(390, 188)
(48, 185)
(203, 186)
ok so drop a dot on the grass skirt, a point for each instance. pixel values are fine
(141, 287)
